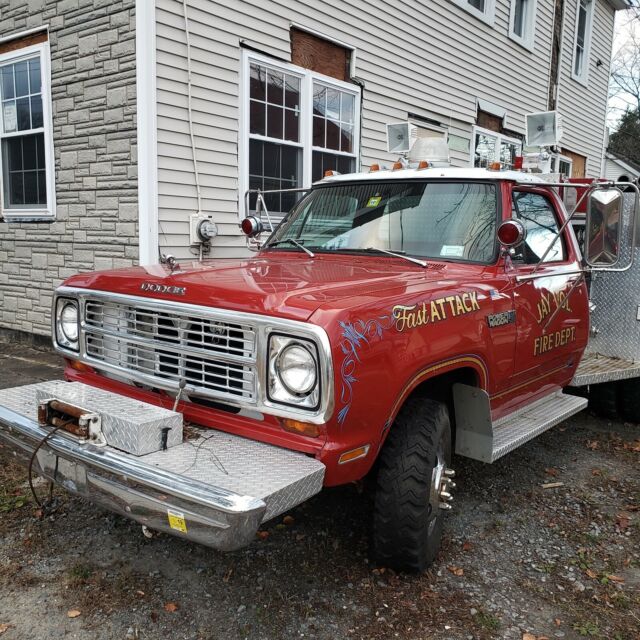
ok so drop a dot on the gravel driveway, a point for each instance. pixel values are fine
(520, 557)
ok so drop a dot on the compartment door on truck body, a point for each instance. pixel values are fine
(546, 352)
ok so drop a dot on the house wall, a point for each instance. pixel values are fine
(584, 108)
(94, 117)
(433, 59)
(613, 170)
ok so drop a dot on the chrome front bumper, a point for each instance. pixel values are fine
(170, 490)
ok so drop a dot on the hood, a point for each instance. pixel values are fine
(280, 283)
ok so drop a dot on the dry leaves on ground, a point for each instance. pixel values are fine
(4, 628)
(73, 613)
(171, 607)
(457, 571)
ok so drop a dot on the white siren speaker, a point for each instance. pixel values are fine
(543, 129)
(400, 136)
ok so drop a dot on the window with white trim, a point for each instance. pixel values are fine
(297, 124)
(522, 22)
(482, 9)
(582, 44)
(489, 146)
(562, 165)
(26, 146)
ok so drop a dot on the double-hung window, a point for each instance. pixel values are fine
(582, 44)
(482, 9)
(489, 147)
(522, 22)
(296, 124)
(26, 147)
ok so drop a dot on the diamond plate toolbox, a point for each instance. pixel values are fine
(127, 424)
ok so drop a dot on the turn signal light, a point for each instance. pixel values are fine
(79, 366)
(396, 165)
(423, 164)
(330, 172)
(374, 167)
(494, 166)
(354, 454)
(302, 428)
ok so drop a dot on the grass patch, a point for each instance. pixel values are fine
(487, 621)
(587, 629)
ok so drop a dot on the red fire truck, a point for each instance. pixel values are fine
(392, 319)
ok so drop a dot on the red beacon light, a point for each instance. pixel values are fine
(511, 233)
(518, 163)
(251, 226)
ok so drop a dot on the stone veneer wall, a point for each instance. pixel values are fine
(93, 94)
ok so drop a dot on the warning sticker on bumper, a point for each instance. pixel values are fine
(177, 521)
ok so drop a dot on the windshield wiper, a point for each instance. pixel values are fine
(422, 263)
(295, 243)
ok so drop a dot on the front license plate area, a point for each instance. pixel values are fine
(70, 475)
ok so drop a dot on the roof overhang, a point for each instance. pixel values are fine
(620, 5)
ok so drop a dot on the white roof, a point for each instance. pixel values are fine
(436, 173)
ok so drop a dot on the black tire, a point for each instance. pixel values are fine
(407, 530)
(603, 399)
(629, 399)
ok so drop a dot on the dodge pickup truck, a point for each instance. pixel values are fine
(392, 318)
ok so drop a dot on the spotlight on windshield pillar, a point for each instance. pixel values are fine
(251, 226)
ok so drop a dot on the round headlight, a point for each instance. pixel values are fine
(297, 369)
(69, 322)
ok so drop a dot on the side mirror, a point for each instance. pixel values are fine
(603, 227)
(511, 233)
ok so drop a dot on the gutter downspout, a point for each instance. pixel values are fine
(147, 138)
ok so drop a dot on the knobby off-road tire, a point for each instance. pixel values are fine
(407, 530)
(629, 399)
(603, 399)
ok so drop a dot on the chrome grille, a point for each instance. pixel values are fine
(215, 358)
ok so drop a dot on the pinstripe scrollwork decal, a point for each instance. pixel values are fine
(355, 336)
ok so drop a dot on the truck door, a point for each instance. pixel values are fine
(548, 346)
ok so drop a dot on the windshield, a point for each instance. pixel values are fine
(437, 219)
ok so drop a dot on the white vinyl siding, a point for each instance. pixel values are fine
(583, 106)
(448, 60)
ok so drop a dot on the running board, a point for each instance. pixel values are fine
(478, 438)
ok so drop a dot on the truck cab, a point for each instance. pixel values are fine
(392, 319)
